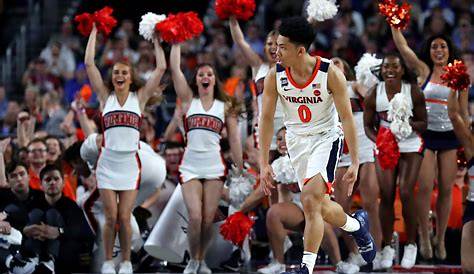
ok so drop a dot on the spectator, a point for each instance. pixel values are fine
(9, 121)
(79, 85)
(60, 60)
(16, 202)
(54, 114)
(56, 235)
(38, 75)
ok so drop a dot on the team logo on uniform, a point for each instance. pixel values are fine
(122, 119)
(202, 121)
(284, 81)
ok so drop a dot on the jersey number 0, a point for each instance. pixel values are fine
(305, 113)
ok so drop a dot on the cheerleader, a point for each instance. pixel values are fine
(367, 181)
(207, 111)
(440, 141)
(396, 79)
(118, 167)
(260, 68)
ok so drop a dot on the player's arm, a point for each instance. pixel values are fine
(369, 115)
(269, 100)
(338, 86)
(419, 120)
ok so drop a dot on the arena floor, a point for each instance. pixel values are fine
(418, 269)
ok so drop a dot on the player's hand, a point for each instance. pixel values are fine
(350, 177)
(266, 179)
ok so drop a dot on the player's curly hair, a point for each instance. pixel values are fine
(298, 30)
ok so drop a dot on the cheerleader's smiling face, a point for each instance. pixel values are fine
(281, 141)
(206, 80)
(121, 77)
(392, 69)
(439, 52)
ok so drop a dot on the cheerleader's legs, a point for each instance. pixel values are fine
(192, 195)
(126, 202)
(109, 200)
(447, 162)
(212, 193)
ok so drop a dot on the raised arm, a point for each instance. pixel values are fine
(369, 115)
(253, 59)
(92, 71)
(184, 92)
(413, 62)
(153, 83)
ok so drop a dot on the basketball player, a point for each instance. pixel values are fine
(311, 90)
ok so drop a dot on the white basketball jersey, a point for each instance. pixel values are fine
(121, 124)
(308, 108)
(470, 194)
(259, 83)
(203, 128)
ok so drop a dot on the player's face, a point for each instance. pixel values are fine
(439, 52)
(271, 48)
(206, 80)
(121, 77)
(392, 69)
(52, 183)
(19, 180)
(287, 52)
(281, 141)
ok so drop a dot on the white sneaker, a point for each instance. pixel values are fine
(192, 267)
(203, 268)
(14, 238)
(388, 254)
(346, 268)
(409, 256)
(272, 268)
(125, 267)
(108, 267)
(356, 259)
(376, 263)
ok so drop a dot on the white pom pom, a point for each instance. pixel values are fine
(148, 23)
(320, 10)
(240, 188)
(399, 113)
(284, 172)
(363, 73)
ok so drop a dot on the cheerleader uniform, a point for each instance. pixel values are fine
(439, 134)
(118, 165)
(366, 146)
(413, 143)
(279, 117)
(202, 158)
